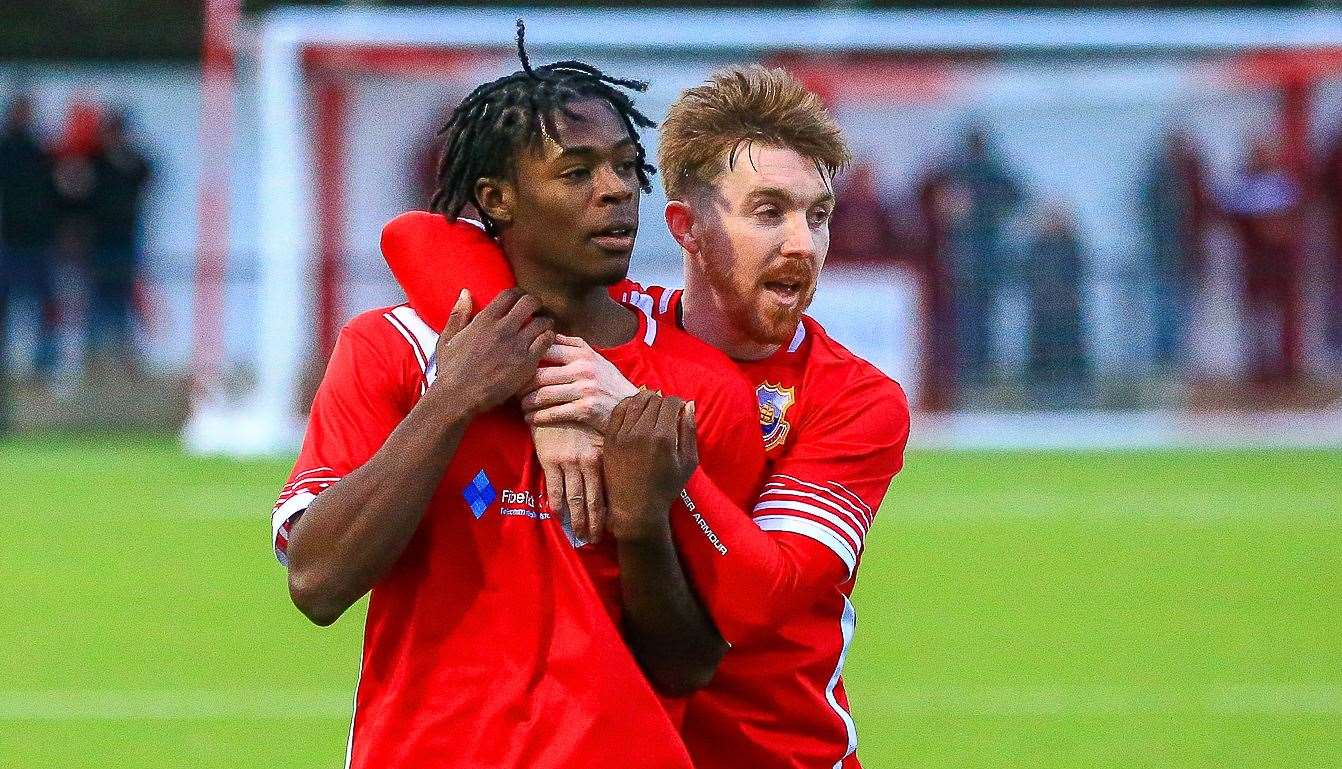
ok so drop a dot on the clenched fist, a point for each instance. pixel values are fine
(649, 455)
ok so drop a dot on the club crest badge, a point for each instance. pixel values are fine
(774, 401)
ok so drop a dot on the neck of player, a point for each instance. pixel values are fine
(707, 316)
(579, 309)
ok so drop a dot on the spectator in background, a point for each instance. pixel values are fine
(27, 223)
(120, 175)
(1177, 207)
(977, 199)
(862, 230)
(1054, 273)
(74, 178)
(1331, 185)
(937, 212)
(73, 174)
(1264, 207)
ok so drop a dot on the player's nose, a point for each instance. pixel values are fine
(612, 188)
(798, 238)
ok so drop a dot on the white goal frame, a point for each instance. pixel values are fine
(269, 418)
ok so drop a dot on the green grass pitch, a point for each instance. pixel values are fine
(1152, 609)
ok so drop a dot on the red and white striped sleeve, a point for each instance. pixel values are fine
(828, 486)
(827, 512)
(371, 382)
(294, 499)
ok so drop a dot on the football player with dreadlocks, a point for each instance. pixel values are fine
(748, 160)
(495, 636)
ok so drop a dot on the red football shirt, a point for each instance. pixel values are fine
(835, 429)
(664, 358)
(483, 639)
(776, 574)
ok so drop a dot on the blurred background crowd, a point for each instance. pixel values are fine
(1000, 243)
(973, 233)
(70, 216)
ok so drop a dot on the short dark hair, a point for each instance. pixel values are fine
(482, 136)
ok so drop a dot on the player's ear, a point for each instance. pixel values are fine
(497, 198)
(680, 223)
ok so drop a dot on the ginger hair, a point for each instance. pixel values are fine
(706, 127)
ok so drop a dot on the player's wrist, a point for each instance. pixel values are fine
(451, 405)
(640, 527)
(622, 389)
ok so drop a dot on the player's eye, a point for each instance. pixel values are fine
(626, 167)
(768, 212)
(576, 174)
(819, 215)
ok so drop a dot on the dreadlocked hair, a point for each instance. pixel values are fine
(483, 134)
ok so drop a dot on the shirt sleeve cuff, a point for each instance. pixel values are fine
(282, 518)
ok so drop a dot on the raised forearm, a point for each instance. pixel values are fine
(669, 632)
(749, 580)
(354, 531)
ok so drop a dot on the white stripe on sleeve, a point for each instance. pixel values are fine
(782, 491)
(282, 514)
(424, 338)
(814, 530)
(645, 305)
(299, 478)
(850, 495)
(839, 525)
(787, 480)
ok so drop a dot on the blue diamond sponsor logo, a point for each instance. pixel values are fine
(479, 494)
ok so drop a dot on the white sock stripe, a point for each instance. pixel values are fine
(858, 521)
(833, 521)
(826, 490)
(817, 531)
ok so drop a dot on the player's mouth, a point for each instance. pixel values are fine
(788, 285)
(617, 238)
(784, 292)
